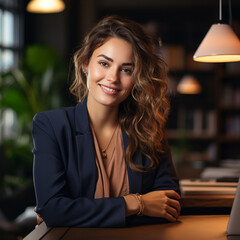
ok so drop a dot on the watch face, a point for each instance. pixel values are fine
(234, 219)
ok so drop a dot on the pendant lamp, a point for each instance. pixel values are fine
(189, 85)
(45, 6)
(220, 44)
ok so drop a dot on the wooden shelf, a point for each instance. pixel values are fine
(229, 108)
(178, 134)
(226, 139)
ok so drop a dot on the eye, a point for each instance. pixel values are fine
(103, 63)
(127, 70)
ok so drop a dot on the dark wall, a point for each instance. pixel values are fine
(63, 30)
(184, 23)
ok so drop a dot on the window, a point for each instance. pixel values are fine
(11, 42)
(11, 32)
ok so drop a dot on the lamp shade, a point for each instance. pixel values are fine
(220, 44)
(45, 6)
(189, 85)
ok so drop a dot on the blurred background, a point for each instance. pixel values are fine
(35, 61)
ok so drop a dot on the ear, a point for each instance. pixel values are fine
(85, 67)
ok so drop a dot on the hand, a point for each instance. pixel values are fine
(39, 219)
(162, 204)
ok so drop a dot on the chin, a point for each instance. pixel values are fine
(110, 104)
(109, 101)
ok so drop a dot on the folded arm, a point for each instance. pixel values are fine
(55, 204)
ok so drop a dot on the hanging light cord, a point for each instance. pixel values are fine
(230, 12)
(220, 10)
(229, 9)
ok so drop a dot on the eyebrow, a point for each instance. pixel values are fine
(111, 60)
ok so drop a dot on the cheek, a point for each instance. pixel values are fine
(129, 85)
(95, 74)
(128, 89)
(92, 78)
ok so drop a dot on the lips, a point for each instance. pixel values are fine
(108, 89)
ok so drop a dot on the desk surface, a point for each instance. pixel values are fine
(207, 201)
(204, 227)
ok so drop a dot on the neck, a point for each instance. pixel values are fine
(102, 116)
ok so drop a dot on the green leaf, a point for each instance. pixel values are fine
(40, 57)
(14, 99)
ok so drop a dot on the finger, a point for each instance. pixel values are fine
(172, 211)
(170, 217)
(39, 220)
(179, 208)
(173, 194)
(175, 204)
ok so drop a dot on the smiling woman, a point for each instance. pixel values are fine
(109, 73)
(106, 161)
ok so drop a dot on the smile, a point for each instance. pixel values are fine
(109, 89)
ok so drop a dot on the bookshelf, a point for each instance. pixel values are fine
(204, 129)
(192, 128)
(229, 112)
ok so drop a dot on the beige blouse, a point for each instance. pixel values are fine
(112, 177)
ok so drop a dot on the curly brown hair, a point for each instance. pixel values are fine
(144, 113)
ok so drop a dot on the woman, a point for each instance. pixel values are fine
(106, 160)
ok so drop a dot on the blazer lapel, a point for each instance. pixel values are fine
(86, 155)
(135, 178)
(85, 151)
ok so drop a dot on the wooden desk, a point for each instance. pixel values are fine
(207, 201)
(206, 204)
(203, 227)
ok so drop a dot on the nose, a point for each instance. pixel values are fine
(113, 75)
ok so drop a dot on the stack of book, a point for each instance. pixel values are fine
(208, 187)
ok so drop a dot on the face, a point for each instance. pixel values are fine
(109, 73)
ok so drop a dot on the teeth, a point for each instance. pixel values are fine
(109, 89)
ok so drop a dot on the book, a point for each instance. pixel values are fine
(207, 187)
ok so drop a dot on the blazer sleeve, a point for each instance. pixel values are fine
(54, 203)
(166, 177)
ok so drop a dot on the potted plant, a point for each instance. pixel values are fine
(36, 85)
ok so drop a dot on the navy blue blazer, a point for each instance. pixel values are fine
(65, 173)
